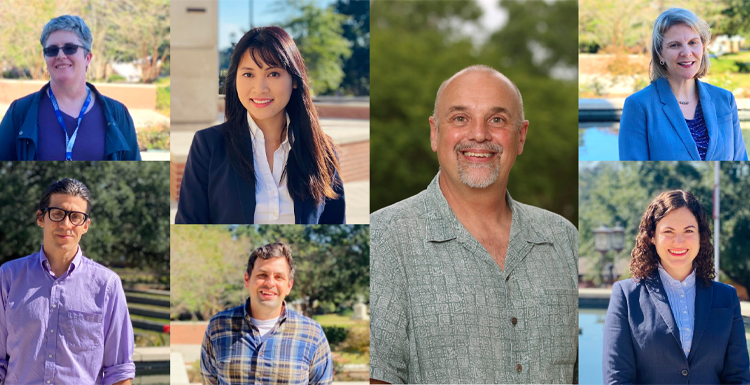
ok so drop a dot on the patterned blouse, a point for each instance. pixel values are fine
(699, 131)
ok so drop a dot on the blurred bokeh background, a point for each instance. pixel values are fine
(334, 39)
(331, 285)
(416, 45)
(129, 234)
(614, 50)
(130, 63)
(612, 199)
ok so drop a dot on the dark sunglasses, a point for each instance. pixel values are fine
(68, 49)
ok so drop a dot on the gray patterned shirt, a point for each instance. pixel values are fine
(444, 312)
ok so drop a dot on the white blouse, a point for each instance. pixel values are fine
(273, 204)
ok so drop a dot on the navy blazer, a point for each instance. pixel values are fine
(212, 192)
(642, 343)
(652, 126)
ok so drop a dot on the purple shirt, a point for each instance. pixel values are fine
(89, 143)
(74, 329)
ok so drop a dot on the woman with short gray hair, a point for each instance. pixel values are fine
(68, 119)
(678, 117)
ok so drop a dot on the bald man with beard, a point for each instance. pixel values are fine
(468, 285)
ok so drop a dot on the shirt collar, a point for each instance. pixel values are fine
(442, 224)
(44, 262)
(282, 316)
(667, 279)
(255, 131)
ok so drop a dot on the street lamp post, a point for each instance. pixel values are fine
(602, 243)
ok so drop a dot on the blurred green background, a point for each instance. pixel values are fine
(416, 45)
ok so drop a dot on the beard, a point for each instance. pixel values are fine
(480, 175)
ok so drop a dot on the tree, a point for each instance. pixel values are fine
(357, 31)
(318, 35)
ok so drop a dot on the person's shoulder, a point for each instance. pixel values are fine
(100, 273)
(212, 135)
(221, 319)
(542, 219)
(722, 289)
(313, 327)
(19, 263)
(718, 92)
(647, 94)
(411, 210)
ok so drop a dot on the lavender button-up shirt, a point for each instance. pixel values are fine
(73, 329)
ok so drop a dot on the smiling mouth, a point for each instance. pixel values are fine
(261, 102)
(267, 293)
(62, 66)
(678, 252)
(686, 63)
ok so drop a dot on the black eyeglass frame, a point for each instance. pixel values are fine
(54, 50)
(67, 215)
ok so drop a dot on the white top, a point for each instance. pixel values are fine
(273, 204)
(264, 326)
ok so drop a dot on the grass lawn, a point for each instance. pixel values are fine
(163, 95)
(354, 358)
(337, 320)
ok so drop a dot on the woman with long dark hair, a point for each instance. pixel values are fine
(670, 323)
(270, 161)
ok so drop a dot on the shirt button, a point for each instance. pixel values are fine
(52, 330)
(514, 320)
(518, 367)
(48, 382)
(682, 295)
(684, 372)
(54, 306)
(19, 134)
(50, 356)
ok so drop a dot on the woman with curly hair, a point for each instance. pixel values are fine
(670, 323)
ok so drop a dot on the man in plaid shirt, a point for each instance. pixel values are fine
(263, 342)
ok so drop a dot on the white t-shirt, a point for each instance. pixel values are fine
(264, 326)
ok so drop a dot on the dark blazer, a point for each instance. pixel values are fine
(642, 344)
(652, 126)
(212, 192)
(19, 130)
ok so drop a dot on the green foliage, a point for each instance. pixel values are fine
(163, 96)
(357, 31)
(125, 30)
(416, 45)
(357, 340)
(129, 210)
(335, 334)
(318, 35)
(154, 137)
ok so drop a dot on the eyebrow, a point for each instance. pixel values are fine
(671, 228)
(262, 69)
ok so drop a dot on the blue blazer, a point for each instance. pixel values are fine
(212, 192)
(652, 126)
(642, 344)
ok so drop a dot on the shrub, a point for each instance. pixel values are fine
(357, 340)
(154, 137)
(336, 334)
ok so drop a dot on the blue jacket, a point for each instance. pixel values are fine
(19, 131)
(652, 126)
(213, 193)
(642, 344)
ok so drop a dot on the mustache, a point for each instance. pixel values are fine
(478, 146)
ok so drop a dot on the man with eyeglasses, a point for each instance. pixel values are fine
(63, 317)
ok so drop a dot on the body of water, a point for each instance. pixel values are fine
(590, 345)
(598, 141)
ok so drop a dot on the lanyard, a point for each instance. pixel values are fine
(69, 141)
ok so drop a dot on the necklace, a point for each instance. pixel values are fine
(683, 103)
